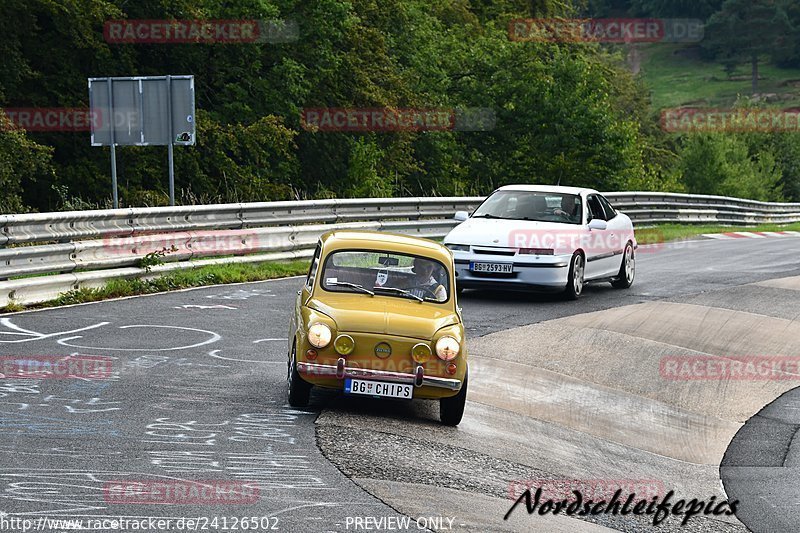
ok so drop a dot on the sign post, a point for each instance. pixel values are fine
(114, 193)
(142, 111)
(169, 146)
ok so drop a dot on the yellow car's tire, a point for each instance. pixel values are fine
(451, 409)
(299, 389)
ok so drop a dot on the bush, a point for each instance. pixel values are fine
(722, 164)
(20, 158)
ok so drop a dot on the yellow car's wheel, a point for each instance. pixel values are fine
(451, 409)
(299, 390)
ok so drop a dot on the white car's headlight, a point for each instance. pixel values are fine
(319, 335)
(447, 348)
(458, 247)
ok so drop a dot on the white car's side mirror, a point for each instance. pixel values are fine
(461, 216)
(598, 224)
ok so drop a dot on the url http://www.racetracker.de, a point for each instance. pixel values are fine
(197, 523)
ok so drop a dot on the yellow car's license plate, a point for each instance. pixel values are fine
(378, 388)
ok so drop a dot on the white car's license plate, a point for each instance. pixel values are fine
(500, 268)
(378, 388)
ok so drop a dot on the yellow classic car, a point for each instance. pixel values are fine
(377, 317)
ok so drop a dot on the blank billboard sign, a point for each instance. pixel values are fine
(143, 111)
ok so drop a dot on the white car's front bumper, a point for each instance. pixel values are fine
(539, 272)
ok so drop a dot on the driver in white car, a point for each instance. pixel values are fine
(569, 208)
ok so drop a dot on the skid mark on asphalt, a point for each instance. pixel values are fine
(606, 413)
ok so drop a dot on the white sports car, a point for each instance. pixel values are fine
(543, 238)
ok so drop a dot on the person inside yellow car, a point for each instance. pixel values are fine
(425, 285)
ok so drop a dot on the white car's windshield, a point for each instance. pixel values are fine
(387, 274)
(529, 205)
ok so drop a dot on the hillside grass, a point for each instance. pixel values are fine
(677, 76)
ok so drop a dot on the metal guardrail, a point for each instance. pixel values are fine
(661, 208)
(73, 225)
(95, 246)
(116, 252)
(87, 248)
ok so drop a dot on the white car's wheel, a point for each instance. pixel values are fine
(627, 270)
(575, 280)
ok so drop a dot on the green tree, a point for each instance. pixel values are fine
(743, 30)
(238, 162)
(701, 9)
(362, 172)
(19, 156)
(723, 164)
(789, 53)
(568, 112)
(786, 147)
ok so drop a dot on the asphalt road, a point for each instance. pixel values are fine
(664, 272)
(197, 393)
(762, 465)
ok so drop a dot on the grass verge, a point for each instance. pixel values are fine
(179, 279)
(674, 232)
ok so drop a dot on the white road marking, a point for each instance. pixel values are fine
(749, 234)
(214, 338)
(213, 353)
(7, 323)
(193, 306)
(36, 336)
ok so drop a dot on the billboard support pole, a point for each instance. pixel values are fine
(169, 144)
(114, 176)
(114, 192)
(171, 175)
